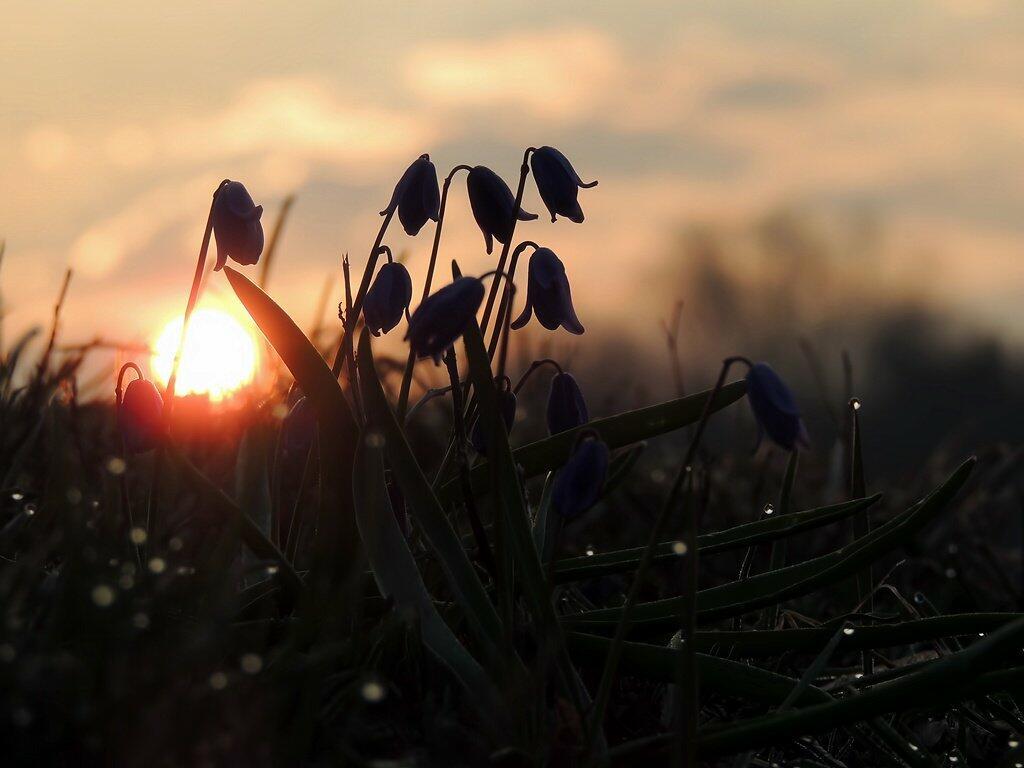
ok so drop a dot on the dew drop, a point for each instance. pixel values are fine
(157, 565)
(1013, 744)
(30, 510)
(138, 535)
(679, 547)
(17, 496)
(251, 663)
(116, 465)
(372, 691)
(855, 404)
(914, 747)
(589, 551)
(271, 570)
(848, 631)
(769, 508)
(103, 595)
(218, 681)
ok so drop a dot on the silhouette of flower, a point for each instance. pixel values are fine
(566, 407)
(236, 225)
(579, 483)
(416, 196)
(388, 298)
(558, 183)
(443, 316)
(548, 294)
(774, 408)
(493, 205)
(140, 417)
(507, 406)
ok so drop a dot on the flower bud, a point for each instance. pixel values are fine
(236, 225)
(566, 406)
(558, 183)
(416, 196)
(548, 294)
(493, 205)
(507, 406)
(579, 483)
(388, 298)
(443, 317)
(140, 417)
(775, 408)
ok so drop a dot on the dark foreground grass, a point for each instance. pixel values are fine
(359, 587)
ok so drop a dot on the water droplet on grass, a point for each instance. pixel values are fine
(157, 565)
(848, 631)
(679, 547)
(116, 465)
(251, 663)
(103, 595)
(138, 535)
(372, 691)
(769, 508)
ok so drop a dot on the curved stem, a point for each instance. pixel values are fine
(387, 252)
(524, 171)
(410, 363)
(119, 390)
(533, 367)
(345, 347)
(505, 308)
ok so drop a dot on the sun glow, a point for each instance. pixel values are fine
(220, 355)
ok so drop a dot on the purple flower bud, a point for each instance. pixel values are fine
(548, 294)
(140, 417)
(507, 405)
(775, 408)
(299, 428)
(579, 483)
(416, 196)
(493, 205)
(566, 406)
(236, 225)
(558, 183)
(388, 298)
(443, 316)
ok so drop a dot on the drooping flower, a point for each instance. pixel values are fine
(507, 406)
(299, 428)
(140, 417)
(558, 183)
(416, 196)
(548, 294)
(566, 407)
(236, 225)
(388, 298)
(493, 205)
(443, 316)
(579, 483)
(775, 408)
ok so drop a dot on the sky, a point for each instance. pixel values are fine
(120, 118)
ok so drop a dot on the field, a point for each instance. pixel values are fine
(371, 559)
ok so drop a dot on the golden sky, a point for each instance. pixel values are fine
(120, 118)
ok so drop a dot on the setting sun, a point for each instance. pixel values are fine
(220, 355)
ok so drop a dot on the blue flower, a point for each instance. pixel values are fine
(236, 225)
(140, 417)
(558, 183)
(775, 408)
(507, 405)
(416, 196)
(493, 205)
(548, 294)
(388, 298)
(566, 406)
(579, 483)
(443, 316)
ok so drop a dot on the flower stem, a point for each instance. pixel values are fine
(505, 307)
(410, 363)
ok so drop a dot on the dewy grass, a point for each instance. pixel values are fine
(339, 606)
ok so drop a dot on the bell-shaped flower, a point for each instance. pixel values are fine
(579, 483)
(236, 225)
(416, 196)
(493, 205)
(566, 407)
(548, 294)
(140, 417)
(443, 316)
(775, 408)
(388, 298)
(558, 183)
(507, 406)
(299, 428)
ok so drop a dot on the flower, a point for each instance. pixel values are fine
(507, 406)
(566, 407)
(443, 316)
(775, 408)
(236, 225)
(388, 298)
(493, 205)
(299, 428)
(416, 196)
(579, 483)
(558, 183)
(140, 417)
(548, 294)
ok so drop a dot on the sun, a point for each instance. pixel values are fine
(220, 355)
